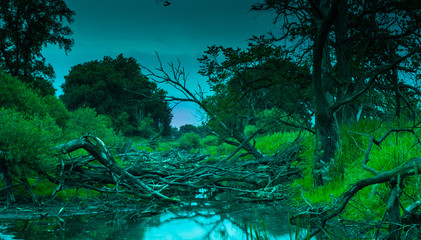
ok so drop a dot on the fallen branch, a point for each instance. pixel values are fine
(320, 217)
(100, 152)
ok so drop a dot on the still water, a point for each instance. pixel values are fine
(192, 221)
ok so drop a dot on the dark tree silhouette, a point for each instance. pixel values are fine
(25, 28)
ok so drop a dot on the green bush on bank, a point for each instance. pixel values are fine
(32, 125)
(86, 121)
(189, 141)
(14, 94)
(209, 141)
(27, 141)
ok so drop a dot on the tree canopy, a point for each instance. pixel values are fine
(249, 81)
(116, 87)
(357, 49)
(25, 28)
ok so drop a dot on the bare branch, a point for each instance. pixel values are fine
(375, 73)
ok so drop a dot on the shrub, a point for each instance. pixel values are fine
(27, 142)
(210, 140)
(250, 129)
(146, 128)
(189, 141)
(57, 110)
(17, 95)
(87, 121)
(14, 94)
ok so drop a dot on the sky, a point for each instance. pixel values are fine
(141, 28)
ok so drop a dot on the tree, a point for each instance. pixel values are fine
(25, 28)
(247, 82)
(186, 128)
(16, 95)
(362, 34)
(118, 89)
(31, 125)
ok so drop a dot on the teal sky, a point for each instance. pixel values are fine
(139, 28)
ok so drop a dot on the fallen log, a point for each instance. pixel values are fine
(174, 173)
(317, 218)
(99, 151)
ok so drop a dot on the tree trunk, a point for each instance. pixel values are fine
(347, 112)
(7, 179)
(393, 215)
(100, 152)
(327, 131)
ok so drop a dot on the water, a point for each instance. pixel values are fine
(193, 221)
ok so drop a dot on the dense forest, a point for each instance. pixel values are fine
(322, 114)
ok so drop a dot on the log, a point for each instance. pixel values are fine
(412, 167)
(99, 151)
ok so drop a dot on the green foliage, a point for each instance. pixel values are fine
(270, 143)
(118, 89)
(15, 94)
(219, 151)
(250, 129)
(122, 123)
(191, 128)
(146, 128)
(56, 109)
(86, 120)
(189, 141)
(275, 120)
(27, 27)
(18, 95)
(396, 149)
(249, 81)
(27, 141)
(209, 140)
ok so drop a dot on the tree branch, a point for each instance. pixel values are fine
(372, 79)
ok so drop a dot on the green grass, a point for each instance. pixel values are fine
(271, 143)
(369, 203)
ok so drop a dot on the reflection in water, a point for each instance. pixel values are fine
(204, 221)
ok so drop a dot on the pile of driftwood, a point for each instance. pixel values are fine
(174, 175)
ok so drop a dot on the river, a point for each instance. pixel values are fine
(196, 220)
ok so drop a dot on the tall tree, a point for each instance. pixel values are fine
(359, 32)
(249, 81)
(117, 88)
(26, 26)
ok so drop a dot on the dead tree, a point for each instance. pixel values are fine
(99, 151)
(177, 78)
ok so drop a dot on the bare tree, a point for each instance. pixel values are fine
(176, 77)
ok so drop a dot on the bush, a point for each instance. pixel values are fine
(14, 94)
(17, 95)
(57, 110)
(189, 141)
(27, 142)
(86, 121)
(210, 140)
(249, 130)
(146, 128)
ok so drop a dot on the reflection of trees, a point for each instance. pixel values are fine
(224, 220)
(215, 221)
(104, 226)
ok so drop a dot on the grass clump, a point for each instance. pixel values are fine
(370, 202)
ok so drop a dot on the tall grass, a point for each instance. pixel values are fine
(369, 203)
